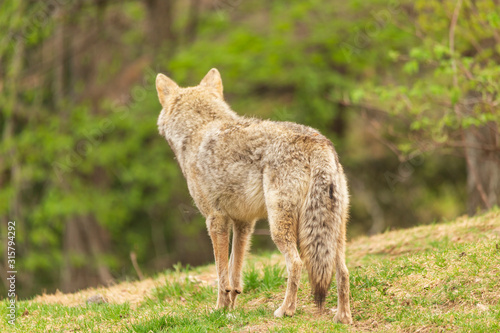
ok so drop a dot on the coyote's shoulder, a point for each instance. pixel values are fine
(241, 169)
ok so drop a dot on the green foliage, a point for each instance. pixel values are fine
(452, 77)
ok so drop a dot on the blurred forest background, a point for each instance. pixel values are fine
(408, 91)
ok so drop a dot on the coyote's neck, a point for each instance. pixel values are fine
(184, 131)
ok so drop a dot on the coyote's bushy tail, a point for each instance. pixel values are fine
(321, 222)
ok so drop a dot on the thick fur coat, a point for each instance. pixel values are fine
(239, 170)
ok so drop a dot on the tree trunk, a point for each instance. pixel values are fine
(192, 25)
(160, 21)
(10, 166)
(482, 152)
(84, 242)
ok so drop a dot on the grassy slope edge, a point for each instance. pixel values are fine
(437, 277)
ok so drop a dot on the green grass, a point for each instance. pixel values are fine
(272, 278)
(440, 277)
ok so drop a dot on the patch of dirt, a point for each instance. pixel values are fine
(132, 292)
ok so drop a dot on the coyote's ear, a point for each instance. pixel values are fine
(213, 80)
(165, 88)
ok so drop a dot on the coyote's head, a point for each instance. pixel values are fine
(199, 103)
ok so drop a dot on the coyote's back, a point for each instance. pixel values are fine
(240, 170)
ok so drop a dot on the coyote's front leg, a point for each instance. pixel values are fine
(218, 227)
(241, 235)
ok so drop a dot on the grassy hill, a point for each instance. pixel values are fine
(440, 277)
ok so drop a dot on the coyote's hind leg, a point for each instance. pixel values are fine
(343, 309)
(283, 232)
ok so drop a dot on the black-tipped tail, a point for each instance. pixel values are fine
(320, 296)
(317, 234)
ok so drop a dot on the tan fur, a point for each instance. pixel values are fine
(239, 170)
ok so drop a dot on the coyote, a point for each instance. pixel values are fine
(239, 170)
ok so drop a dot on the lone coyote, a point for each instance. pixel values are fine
(239, 170)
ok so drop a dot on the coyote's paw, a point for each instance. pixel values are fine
(342, 318)
(280, 312)
(224, 299)
(234, 294)
(222, 306)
